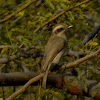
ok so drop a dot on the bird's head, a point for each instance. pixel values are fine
(60, 28)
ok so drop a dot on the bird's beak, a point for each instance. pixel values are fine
(69, 26)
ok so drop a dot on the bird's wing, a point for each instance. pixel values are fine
(54, 45)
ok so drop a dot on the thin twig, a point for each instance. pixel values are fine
(18, 19)
(61, 13)
(14, 95)
(31, 81)
(22, 66)
(95, 54)
(17, 11)
(25, 49)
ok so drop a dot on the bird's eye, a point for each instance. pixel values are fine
(59, 30)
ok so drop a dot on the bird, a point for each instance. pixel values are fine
(54, 49)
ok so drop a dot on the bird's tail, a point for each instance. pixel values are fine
(45, 77)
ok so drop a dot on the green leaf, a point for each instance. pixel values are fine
(50, 4)
(95, 91)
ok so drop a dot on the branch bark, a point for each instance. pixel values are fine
(92, 34)
(20, 78)
(25, 49)
(14, 57)
(15, 94)
(95, 54)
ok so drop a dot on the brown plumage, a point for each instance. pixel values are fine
(54, 49)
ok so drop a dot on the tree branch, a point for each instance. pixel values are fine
(92, 34)
(95, 54)
(61, 13)
(57, 81)
(14, 57)
(18, 19)
(25, 49)
(22, 66)
(17, 11)
(15, 94)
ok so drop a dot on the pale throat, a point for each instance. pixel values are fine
(62, 34)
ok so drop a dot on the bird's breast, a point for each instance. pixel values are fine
(63, 36)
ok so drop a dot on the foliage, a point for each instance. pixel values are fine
(21, 33)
